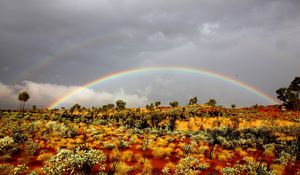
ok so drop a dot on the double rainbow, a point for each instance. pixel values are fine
(204, 72)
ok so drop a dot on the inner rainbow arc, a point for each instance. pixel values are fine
(205, 72)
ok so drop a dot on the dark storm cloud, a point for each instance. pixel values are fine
(255, 41)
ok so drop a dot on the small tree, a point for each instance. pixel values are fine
(150, 107)
(121, 105)
(157, 104)
(110, 106)
(75, 107)
(290, 95)
(213, 140)
(174, 104)
(211, 102)
(193, 101)
(23, 97)
(172, 117)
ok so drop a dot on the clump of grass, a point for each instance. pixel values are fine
(162, 152)
(6, 169)
(44, 156)
(225, 155)
(269, 150)
(109, 146)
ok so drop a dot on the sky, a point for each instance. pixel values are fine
(50, 49)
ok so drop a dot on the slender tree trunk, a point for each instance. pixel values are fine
(211, 150)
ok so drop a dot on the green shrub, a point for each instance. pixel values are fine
(285, 158)
(165, 171)
(188, 166)
(99, 122)
(187, 149)
(7, 145)
(20, 169)
(75, 162)
(33, 173)
(109, 146)
(19, 137)
(251, 168)
(31, 148)
(122, 144)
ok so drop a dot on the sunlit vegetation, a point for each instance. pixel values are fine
(113, 139)
(195, 139)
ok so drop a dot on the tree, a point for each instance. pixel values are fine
(23, 97)
(174, 104)
(75, 107)
(157, 104)
(213, 140)
(233, 106)
(193, 101)
(290, 95)
(172, 117)
(121, 105)
(108, 107)
(150, 107)
(211, 102)
(155, 119)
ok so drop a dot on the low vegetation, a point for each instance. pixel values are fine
(113, 139)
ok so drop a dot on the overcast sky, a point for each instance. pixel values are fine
(50, 48)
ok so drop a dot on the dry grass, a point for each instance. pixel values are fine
(241, 152)
(123, 169)
(44, 156)
(127, 156)
(277, 169)
(161, 152)
(225, 155)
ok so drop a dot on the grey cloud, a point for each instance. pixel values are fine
(257, 40)
(44, 94)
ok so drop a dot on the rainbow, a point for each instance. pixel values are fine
(90, 42)
(61, 53)
(205, 72)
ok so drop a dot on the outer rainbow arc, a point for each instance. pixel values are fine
(161, 68)
(66, 50)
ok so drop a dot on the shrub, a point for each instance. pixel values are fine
(7, 145)
(285, 158)
(109, 146)
(187, 149)
(99, 122)
(165, 171)
(251, 168)
(188, 166)
(20, 169)
(6, 168)
(75, 162)
(122, 144)
(31, 147)
(19, 137)
(33, 173)
(68, 132)
(230, 171)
